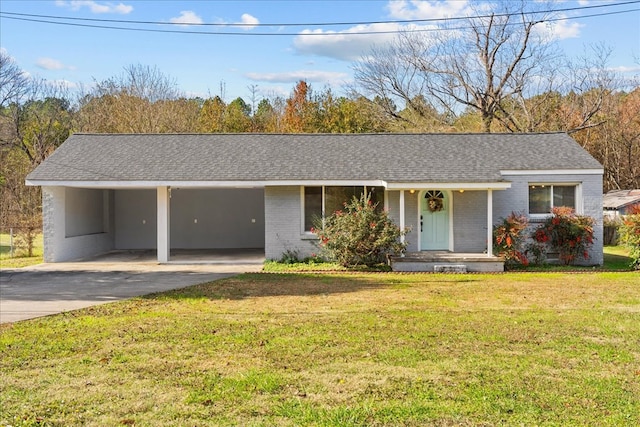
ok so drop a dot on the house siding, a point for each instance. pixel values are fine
(217, 218)
(136, 216)
(470, 221)
(200, 219)
(283, 224)
(283, 221)
(516, 199)
(60, 203)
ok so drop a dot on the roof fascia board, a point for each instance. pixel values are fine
(553, 172)
(203, 184)
(449, 185)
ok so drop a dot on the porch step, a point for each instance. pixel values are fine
(450, 268)
(441, 261)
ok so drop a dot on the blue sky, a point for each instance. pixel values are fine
(202, 64)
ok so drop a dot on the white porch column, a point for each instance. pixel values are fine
(164, 228)
(489, 222)
(402, 214)
(386, 200)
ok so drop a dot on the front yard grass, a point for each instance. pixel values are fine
(347, 349)
(19, 259)
(616, 258)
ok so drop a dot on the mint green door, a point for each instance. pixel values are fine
(434, 221)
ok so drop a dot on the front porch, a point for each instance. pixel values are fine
(445, 261)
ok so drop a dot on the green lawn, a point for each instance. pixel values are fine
(615, 258)
(19, 259)
(337, 350)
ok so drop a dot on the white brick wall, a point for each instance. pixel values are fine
(57, 247)
(283, 226)
(470, 221)
(517, 199)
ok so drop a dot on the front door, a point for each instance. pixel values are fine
(434, 221)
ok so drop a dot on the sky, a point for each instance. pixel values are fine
(270, 44)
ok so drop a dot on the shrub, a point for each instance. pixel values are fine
(508, 239)
(290, 256)
(630, 234)
(360, 234)
(611, 230)
(568, 234)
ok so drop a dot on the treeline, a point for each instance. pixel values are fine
(36, 117)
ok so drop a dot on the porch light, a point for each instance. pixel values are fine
(412, 191)
(462, 191)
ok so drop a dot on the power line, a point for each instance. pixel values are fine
(313, 24)
(15, 16)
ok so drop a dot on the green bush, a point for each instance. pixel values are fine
(568, 234)
(360, 234)
(630, 235)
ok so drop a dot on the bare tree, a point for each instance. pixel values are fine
(141, 81)
(13, 81)
(35, 118)
(480, 64)
(140, 100)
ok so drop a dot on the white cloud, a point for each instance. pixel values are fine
(186, 17)
(348, 45)
(626, 69)
(250, 21)
(345, 45)
(247, 22)
(52, 64)
(96, 7)
(559, 30)
(403, 9)
(329, 77)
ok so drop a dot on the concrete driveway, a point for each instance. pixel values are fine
(46, 289)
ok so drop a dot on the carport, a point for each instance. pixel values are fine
(81, 222)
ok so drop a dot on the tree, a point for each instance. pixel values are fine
(237, 116)
(266, 117)
(494, 58)
(21, 206)
(35, 117)
(140, 100)
(616, 142)
(14, 83)
(345, 114)
(298, 112)
(211, 118)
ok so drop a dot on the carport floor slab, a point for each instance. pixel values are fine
(52, 288)
(185, 256)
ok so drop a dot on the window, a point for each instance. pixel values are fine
(543, 197)
(333, 199)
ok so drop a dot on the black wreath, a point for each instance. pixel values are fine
(435, 204)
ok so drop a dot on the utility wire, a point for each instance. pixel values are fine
(311, 24)
(19, 17)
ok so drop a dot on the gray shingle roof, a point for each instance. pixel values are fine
(274, 157)
(616, 199)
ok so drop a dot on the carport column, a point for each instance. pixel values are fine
(489, 222)
(164, 228)
(402, 214)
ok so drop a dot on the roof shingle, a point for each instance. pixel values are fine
(283, 157)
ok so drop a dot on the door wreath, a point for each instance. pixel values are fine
(434, 201)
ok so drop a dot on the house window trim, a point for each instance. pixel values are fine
(306, 234)
(579, 206)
